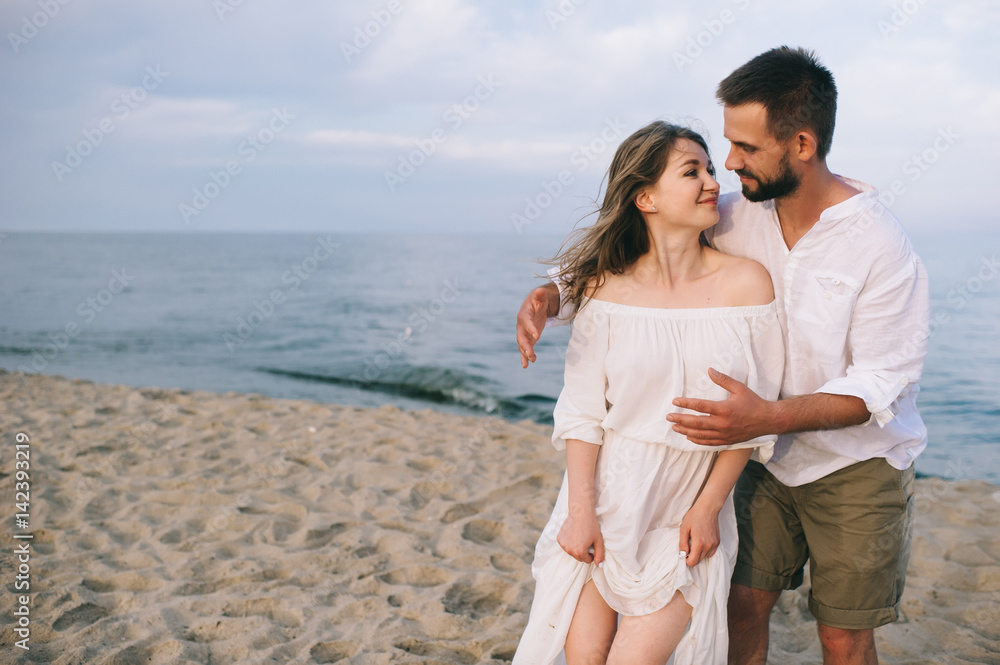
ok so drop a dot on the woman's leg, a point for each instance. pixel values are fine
(592, 629)
(650, 639)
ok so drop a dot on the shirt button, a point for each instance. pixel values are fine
(829, 295)
(836, 281)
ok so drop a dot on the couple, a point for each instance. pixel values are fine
(808, 376)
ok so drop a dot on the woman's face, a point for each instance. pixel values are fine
(686, 193)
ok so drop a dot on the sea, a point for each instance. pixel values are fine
(417, 321)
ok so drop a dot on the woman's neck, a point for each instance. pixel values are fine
(674, 257)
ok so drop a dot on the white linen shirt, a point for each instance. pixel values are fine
(853, 304)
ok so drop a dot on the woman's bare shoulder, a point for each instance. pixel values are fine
(745, 281)
(603, 287)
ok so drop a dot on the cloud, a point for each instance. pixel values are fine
(192, 120)
(558, 81)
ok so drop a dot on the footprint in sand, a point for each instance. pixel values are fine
(322, 537)
(43, 542)
(331, 652)
(85, 614)
(422, 493)
(129, 533)
(507, 562)
(529, 487)
(214, 631)
(172, 537)
(459, 511)
(144, 654)
(99, 508)
(204, 588)
(504, 652)
(264, 607)
(482, 531)
(477, 599)
(122, 582)
(282, 530)
(416, 576)
(439, 650)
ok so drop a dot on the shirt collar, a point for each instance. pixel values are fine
(866, 197)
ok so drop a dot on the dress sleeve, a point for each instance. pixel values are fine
(766, 355)
(582, 405)
(567, 310)
(766, 361)
(888, 339)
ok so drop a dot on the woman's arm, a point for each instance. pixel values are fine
(699, 535)
(581, 530)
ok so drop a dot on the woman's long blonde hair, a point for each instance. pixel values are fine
(619, 236)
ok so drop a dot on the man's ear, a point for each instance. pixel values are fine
(804, 145)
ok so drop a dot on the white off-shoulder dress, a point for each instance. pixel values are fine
(624, 367)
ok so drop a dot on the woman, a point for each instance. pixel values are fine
(644, 525)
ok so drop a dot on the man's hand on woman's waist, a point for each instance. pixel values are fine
(745, 415)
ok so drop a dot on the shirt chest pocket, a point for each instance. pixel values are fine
(833, 288)
(827, 307)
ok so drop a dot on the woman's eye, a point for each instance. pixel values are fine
(691, 172)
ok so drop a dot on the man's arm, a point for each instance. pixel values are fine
(541, 303)
(889, 333)
(745, 416)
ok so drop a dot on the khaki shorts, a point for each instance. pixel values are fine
(854, 526)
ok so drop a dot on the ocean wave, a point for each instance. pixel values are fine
(437, 385)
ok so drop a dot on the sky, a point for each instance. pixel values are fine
(445, 116)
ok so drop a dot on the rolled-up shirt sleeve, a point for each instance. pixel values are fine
(582, 405)
(887, 339)
(567, 310)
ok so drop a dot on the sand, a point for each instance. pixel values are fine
(191, 527)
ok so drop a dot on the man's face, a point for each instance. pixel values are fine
(761, 162)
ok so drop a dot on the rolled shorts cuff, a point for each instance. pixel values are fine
(853, 619)
(763, 580)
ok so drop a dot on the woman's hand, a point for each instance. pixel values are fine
(699, 533)
(579, 533)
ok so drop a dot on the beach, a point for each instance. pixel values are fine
(174, 526)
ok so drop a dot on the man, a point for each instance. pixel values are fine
(853, 304)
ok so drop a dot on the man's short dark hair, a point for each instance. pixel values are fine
(795, 89)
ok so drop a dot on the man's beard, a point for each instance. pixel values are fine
(783, 184)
